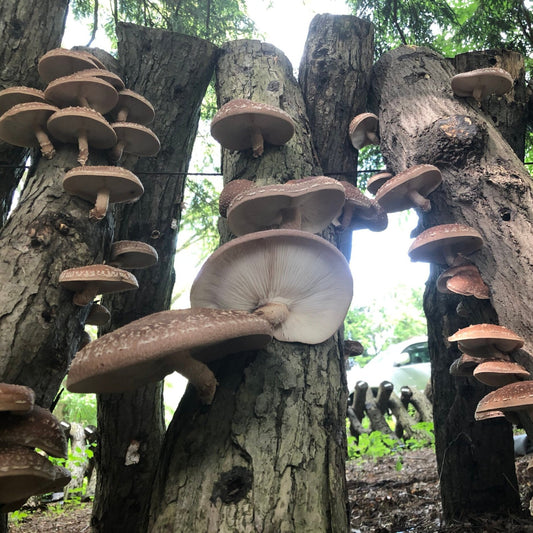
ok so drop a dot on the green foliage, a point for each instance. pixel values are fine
(74, 407)
(17, 517)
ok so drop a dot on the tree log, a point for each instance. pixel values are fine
(486, 187)
(377, 420)
(276, 425)
(356, 428)
(172, 71)
(423, 406)
(359, 399)
(404, 421)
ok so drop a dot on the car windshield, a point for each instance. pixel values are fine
(418, 353)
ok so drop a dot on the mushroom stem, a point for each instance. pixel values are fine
(47, 148)
(477, 93)
(373, 137)
(347, 214)
(274, 313)
(419, 200)
(122, 115)
(87, 295)
(117, 150)
(100, 207)
(291, 218)
(449, 256)
(83, 146)
(198, 373)
(257, 141)
(83, 101)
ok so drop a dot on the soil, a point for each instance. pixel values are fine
(383, 499)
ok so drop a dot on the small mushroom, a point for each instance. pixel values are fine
(376, 181)
(89, 281)
(482, 82)
(98, 315)
(134, 139)
(103, 185)
(12, 96)
(309, 204)
(148, 349)
(298, 281)
(132, 254)
(241, 124)
(25, 125)
(16, 398)
(62, 62)
(445, 243)
(464, 280)
(232, 189)
(499, 373)
(83, 126)
(360, 212)
(82, 90)
(363, 130)
(133, 107)
(466, 363)
(409, 188)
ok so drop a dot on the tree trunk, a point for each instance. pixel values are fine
(486, 187)
(335, 78)
(172, 71)
(276, 426)
(44, 21)
(507, 112)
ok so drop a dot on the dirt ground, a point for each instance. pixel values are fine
(382, 500)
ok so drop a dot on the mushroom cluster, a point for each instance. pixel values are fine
(25, 427)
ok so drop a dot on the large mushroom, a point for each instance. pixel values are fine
(134, 139)
(481, 83)
(497, 373)
(515, 397)
(133, 107)
(62, 62)
(363, 130)
(89, 281)
(241, 124)
(16, 398)
(298, 281)
(445, 244)
(83, 126)
(148, 349)
(132, 254)
(309, 204)
(19, 95)
(409, 188)
(25, 125)
(103, 185)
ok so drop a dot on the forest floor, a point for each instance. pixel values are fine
(383, 499)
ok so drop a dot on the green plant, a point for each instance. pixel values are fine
(18, 516)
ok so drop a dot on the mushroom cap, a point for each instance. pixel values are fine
(38, 428)
(499, 373)
(360, 127)
(365, 213)
(132, 254)
(66, 125)
(92, 57)
(19, 95)
(87, 181)
(479, 338)
(431, 244)
(139, 109)
(24, 473)
(304, 272)
(517, 396)
(144, 350)
(492, 80)
(137, 139)
(393, 195)
(231, 126)
(103, 74)
(376, 181)
(464, 280)
(70, 90)
(232, 189)
(108, 279)
(16, 398)
(18, 124)
(62, 62)
(319, 199)
(98, 315)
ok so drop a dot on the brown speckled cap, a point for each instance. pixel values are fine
(499, 373)
(363, 130)
(482, 82)
(62, 62)
(376, 181)
(132, 254)
(480, 338)
(361, 212)
(19, 95)
(134, 139)
(16, 398)
(517, 396)
(133, 107)
(464, 280)
(232, 189)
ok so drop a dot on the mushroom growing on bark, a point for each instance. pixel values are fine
(25, 125)
(12, 96)
(132, 254)
(445, 244)
(309, 204)
(515, 397)
(360, 212)
(482, 82)
(134, 139)
(499, 373)
(62, 62)
(103, 185)
(363, 130)
(409, 189)
(89, 281)
(464, 280)
(83, 126)
(99, 315)
(148, 349)
(232, 189)
(376, 181)
(298, 281)
(16, 398)
(133, 107)
(241, 124)
(105, 75)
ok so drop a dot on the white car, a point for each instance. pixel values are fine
(404, 364)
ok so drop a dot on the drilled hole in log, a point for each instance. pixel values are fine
(232, 486)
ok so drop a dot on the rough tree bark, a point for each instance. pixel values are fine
(29, 30)
(484, 186)
(172, 71)
(335, 78)
(268, 454)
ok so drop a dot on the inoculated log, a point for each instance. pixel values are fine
(359, 399)
(356, 428)
(404, 421)
(424, 408)
(382, 399)
(377, 420)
